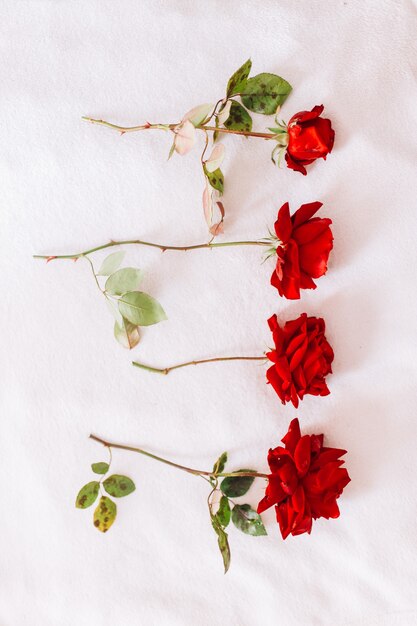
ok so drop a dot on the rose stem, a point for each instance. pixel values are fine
(132, 129)
(166, 370)
(196, 472)
(161, 247)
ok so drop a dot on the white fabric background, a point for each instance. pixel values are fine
(67, 185)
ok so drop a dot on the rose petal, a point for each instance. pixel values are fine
(283, 225)
(305, 212)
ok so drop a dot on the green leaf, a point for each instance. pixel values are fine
(264, 93)
(236, 486)
(220, 464)
(100, 468)
(105, 514)
(111, 263)
(126, 279)
(171, 151)
(247, 520)
(223, 513)
(239, 118)
(141, 309)
(238, 80)
(87, 495)
(216, 133)
(216, 179)
(113, 307)
(222, 543)
(127, 334)
(118, 486)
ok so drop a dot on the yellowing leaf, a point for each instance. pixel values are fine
(105, 514)
(127, 334)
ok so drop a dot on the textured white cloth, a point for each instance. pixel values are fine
(67, 185)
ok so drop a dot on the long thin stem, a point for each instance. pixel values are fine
(162, 247)
(245, 133)
(166, 370)
(190, 470)
(133, 129)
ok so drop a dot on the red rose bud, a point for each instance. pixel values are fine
(305, 244)
(310, 137)
(305, 481)
(301, 360)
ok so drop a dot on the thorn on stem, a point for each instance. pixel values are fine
(50, 258)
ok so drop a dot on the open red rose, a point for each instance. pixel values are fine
(301, 360)
(310, 137)
(306, 480)
(305, 244)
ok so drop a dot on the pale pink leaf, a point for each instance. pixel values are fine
(198, 114)
(184, 137)
(216, 229)
(215, 159)
(207, 204)
(224, 113)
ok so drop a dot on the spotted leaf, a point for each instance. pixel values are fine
(239, 118)
(238, 80)
(105, 514)
(118, 486)
(87, 495)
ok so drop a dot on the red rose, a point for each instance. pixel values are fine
(310, 137)
(301, 360)
(304, 249)
(305, 481)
